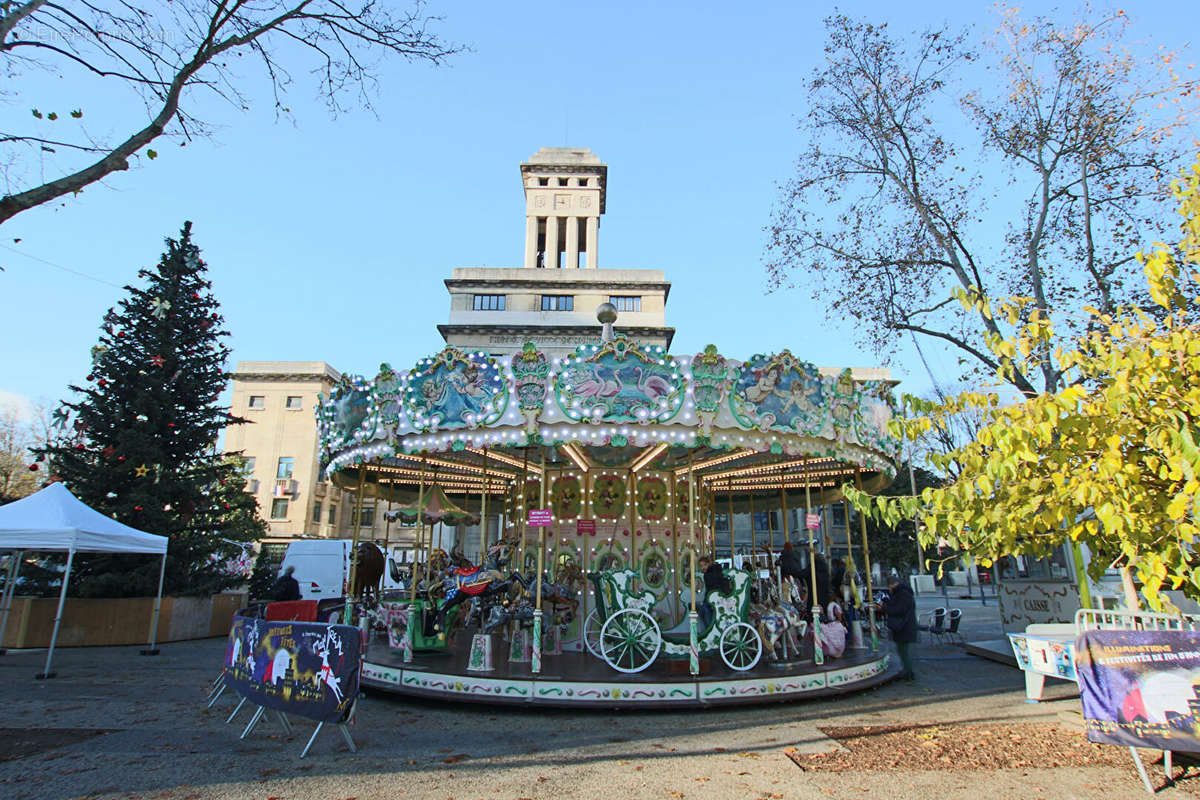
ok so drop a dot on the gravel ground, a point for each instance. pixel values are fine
(119, 725)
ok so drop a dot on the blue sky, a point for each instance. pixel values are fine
(328, 239)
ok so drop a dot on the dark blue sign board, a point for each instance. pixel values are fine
(310, 669)
(1141, 688)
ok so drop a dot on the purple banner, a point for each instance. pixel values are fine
(1139, 688)
(306, 668)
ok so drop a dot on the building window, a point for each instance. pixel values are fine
(294, 403)
(558, 302)
(562, 181)
(367, 516)
(626, 303)
(248, 466)
(332, 519)
(317, 512)
(286, 466)
(488, 302)
(258, 401)
(279, 509)
(543, 181)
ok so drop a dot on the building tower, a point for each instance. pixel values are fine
(564, 198)
(552, 298)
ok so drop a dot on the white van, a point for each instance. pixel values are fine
(322, 568)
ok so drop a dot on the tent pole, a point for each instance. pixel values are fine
(62, 599)
(10, 590)
(152, 650)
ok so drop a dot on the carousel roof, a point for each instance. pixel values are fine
(432, 506)
(772, 421)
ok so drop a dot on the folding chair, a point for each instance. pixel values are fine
(936, 626)
(952, 631)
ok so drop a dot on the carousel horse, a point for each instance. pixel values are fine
(499, 614)
(369, 570)
(457, 559)
(482, 584)
(776, 618)
(562, 595)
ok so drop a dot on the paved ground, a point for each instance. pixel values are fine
(164, 744)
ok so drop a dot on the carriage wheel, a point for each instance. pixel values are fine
(741, 648)
(630, 640)
(591, 634)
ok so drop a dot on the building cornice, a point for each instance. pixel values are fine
(539, 282)
(534, 331)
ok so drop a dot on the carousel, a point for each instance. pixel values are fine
(596, 482)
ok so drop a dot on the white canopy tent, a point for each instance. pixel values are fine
(55, 520)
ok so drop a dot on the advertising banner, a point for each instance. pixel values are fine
(1139, 688)
(1045, 654)
(305, 668)
(813, 521)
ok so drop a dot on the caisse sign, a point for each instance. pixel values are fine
(539, 517)
(813, 521)
(585, 526)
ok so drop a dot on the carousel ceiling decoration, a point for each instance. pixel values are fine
(616, 404)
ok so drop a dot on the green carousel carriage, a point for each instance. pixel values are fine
(630, 638)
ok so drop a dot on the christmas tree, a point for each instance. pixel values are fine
(139, 442)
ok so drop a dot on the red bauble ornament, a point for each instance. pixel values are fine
(170, 424)
(120, 334)
(80, 447)
(109, 451)
(102, 383)
(137, 508)
(33, 467)
(120, 458)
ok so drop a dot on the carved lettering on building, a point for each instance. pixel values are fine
(541, 339)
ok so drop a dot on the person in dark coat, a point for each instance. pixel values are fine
(837, 577)
(901, 610)
(286, 588)
(714, 580)
(822, 593)
(790, 565)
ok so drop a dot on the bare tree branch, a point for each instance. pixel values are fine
(169, 51)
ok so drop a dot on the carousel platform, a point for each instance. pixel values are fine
(577, 679)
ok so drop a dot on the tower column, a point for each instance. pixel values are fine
(531, 232)
(552, 248)
(572, 224)
(592, 244)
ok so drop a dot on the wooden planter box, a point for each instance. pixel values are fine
(120, 621)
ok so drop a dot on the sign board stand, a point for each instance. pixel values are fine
(341, 726)
(287, 726)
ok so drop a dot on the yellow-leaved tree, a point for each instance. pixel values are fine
(1112, 461)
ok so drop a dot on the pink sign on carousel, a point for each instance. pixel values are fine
(539, 517)
(813, 521)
